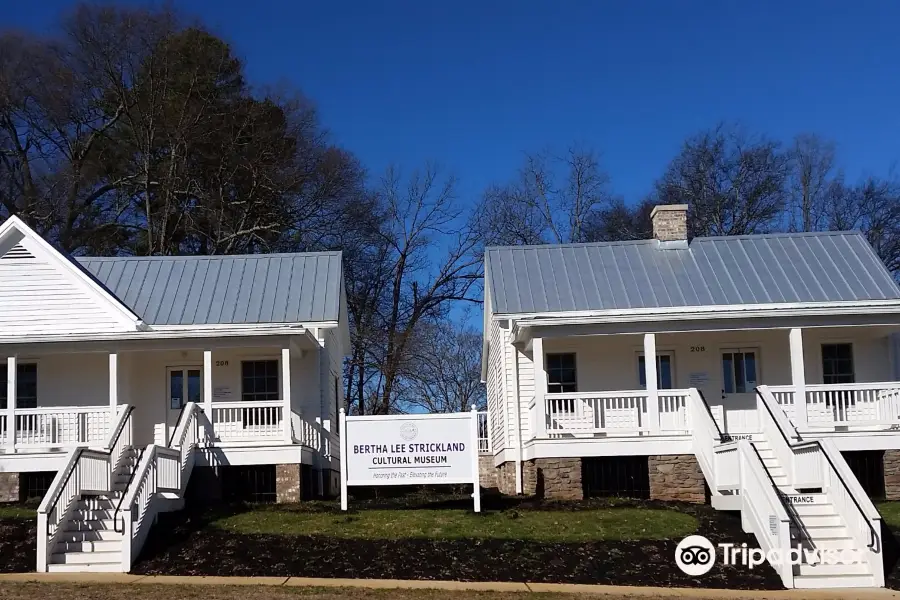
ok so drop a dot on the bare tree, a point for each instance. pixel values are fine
(423, 257)
(812, 165)
(446, 373)
(872, 207)
(552, 200)
(734, 183)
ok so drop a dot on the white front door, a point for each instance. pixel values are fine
(740, 376)
(185, 385)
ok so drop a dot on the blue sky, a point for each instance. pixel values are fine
(474, 85)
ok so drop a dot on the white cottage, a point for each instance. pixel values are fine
(744, 370)
(127, 377)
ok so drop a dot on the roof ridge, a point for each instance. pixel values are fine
(704, 238)
(211, 256)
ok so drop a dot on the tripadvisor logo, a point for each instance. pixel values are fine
(695, 555)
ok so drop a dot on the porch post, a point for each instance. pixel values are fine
(652, 386)
(208, 392)
(540, 388)
(286, 393)
(798, 376)
(11, 402)
(113, 388)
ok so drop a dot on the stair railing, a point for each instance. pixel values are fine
(705, 435)
(762, 510)
(819, 464)
(86, 471)
(161, 470)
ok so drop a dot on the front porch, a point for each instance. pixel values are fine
(254, 393)
(599, 394)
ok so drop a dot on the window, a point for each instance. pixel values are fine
(561, 376)
(26, 385)
(259, 380)
(664, 379)
(739, 371)
(837, 363)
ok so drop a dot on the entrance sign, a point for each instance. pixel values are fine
(410, 450)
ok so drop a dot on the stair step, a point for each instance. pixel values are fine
(806, 510)
(92, 514)
(90, 546)
(832, 581)
(91, 525)
(95, 504)
(831, 532)
(822, 520)
(94, 568)
(86, 558)
(89, 536)
(824, 570)
(823, 543)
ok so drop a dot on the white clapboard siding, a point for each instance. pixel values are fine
(497, 409)
(38, 297)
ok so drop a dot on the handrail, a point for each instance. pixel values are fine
(778, 492)
(613, 394)
(778, 425)
(177, 423)
(711, 416)
(852, 495)
(125, 493)
(73, 463)
(120, 427)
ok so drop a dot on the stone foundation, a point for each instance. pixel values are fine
(9, 487)
(553, 478)
(892, 474)
(676, 477)
(506, 478)
(287, 483)
(488, 475)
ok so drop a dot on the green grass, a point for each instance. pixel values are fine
(17, 511)
(615, 523)
(890, 512)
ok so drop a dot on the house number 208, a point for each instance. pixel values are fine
(221, 363)
(698, 348)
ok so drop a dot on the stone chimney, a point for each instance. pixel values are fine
(670, 222)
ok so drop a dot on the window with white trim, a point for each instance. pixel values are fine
(561, 374)
(665, 377)
(259, 380)
(26, 385)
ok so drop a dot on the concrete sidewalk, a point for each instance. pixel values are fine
(462, 586)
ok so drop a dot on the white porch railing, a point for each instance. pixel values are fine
(829, 405)
(611, 413)
(56, 427)
(248, 421)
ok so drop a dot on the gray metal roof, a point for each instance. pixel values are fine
(207, 290)
(753, 269)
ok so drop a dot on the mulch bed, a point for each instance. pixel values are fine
(18, 551)
(184, 544)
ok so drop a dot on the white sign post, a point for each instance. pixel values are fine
(410, 450)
